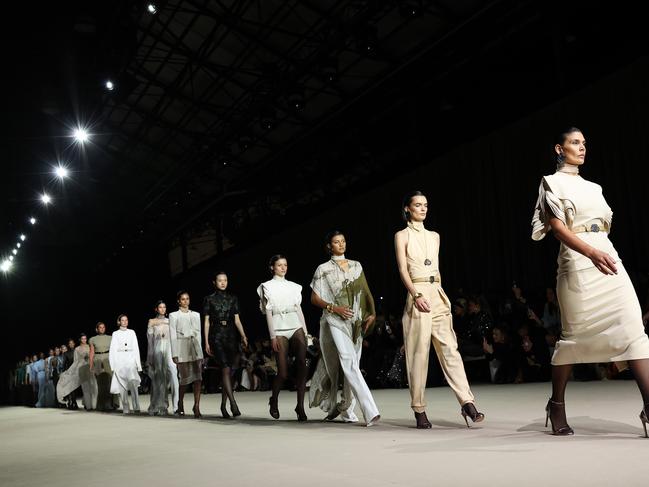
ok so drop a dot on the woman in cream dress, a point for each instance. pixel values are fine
(600, 313)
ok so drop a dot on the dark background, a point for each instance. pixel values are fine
(462, 103)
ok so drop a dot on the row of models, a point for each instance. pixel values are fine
(601, 316)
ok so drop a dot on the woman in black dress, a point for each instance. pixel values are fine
(223, 333)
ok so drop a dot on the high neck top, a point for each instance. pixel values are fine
(422, 247)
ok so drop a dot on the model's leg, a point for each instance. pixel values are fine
(640, 369)
(298, 350)
(556, 408)
(227, 393)
(173, 381)
(282, 372)
(349, 361)
(135, 396)
(181, 397)
(123, 394)
(417, 330)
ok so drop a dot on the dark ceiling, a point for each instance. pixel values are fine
(236, 115)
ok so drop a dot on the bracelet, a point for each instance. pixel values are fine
(330, 307)
(417, 295)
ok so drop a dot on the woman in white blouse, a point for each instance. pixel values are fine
(187, 351)
(280, 301)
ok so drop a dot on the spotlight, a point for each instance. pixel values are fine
(61, 172)
(366, 38)
(18, 245)
(329, 68)
(81, 135)
(152, 8)
(411, 8)
(22, 237)
(32, 220)
(268, 118)
(11, 258)
(14, 251)
(296, 99)
(6, 265)
(46, 199)
(110, 86)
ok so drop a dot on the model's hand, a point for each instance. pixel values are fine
(208, 349)
(604, 262)
(368, 323)
(275, 344)
(92, 365)
(175, 359)
(422, 304)
(244, 341)
(344, 312)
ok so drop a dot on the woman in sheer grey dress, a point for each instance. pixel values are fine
(160, 365)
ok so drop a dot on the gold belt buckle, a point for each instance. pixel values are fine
(224, 323)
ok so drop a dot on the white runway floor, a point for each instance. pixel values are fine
(56, 447)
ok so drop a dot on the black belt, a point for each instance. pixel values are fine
(99, 353)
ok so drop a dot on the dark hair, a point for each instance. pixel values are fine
(329, 237)
(119, 318)
(180, 293)
(82, 335)
(159, 302)
(274, 259)
(99, 323)
(407, 199)
(562, 135)
(220, 273)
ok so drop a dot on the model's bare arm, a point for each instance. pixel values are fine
(400, 242)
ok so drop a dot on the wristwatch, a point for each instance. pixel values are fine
(417, 295)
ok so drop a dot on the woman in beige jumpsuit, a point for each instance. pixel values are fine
(427, 315)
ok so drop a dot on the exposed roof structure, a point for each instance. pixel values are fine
(226, 116)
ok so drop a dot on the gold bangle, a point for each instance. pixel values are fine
(330, 307)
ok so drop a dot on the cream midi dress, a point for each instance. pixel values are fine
(600, 314)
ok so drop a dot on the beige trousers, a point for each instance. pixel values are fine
(418, 331)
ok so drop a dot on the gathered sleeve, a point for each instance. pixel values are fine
(264, 295)
(549, 205)
(319, 285)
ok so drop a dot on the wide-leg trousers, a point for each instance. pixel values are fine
(348, 358)
(419, 329)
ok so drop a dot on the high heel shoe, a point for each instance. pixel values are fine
(562, 430)
(301, 415)
(224, 412)
(235, 409)
(645, 419)
(469, 410)
(272, 407)
(422, 421)
(197, 412)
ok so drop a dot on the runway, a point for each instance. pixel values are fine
(52, 447)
